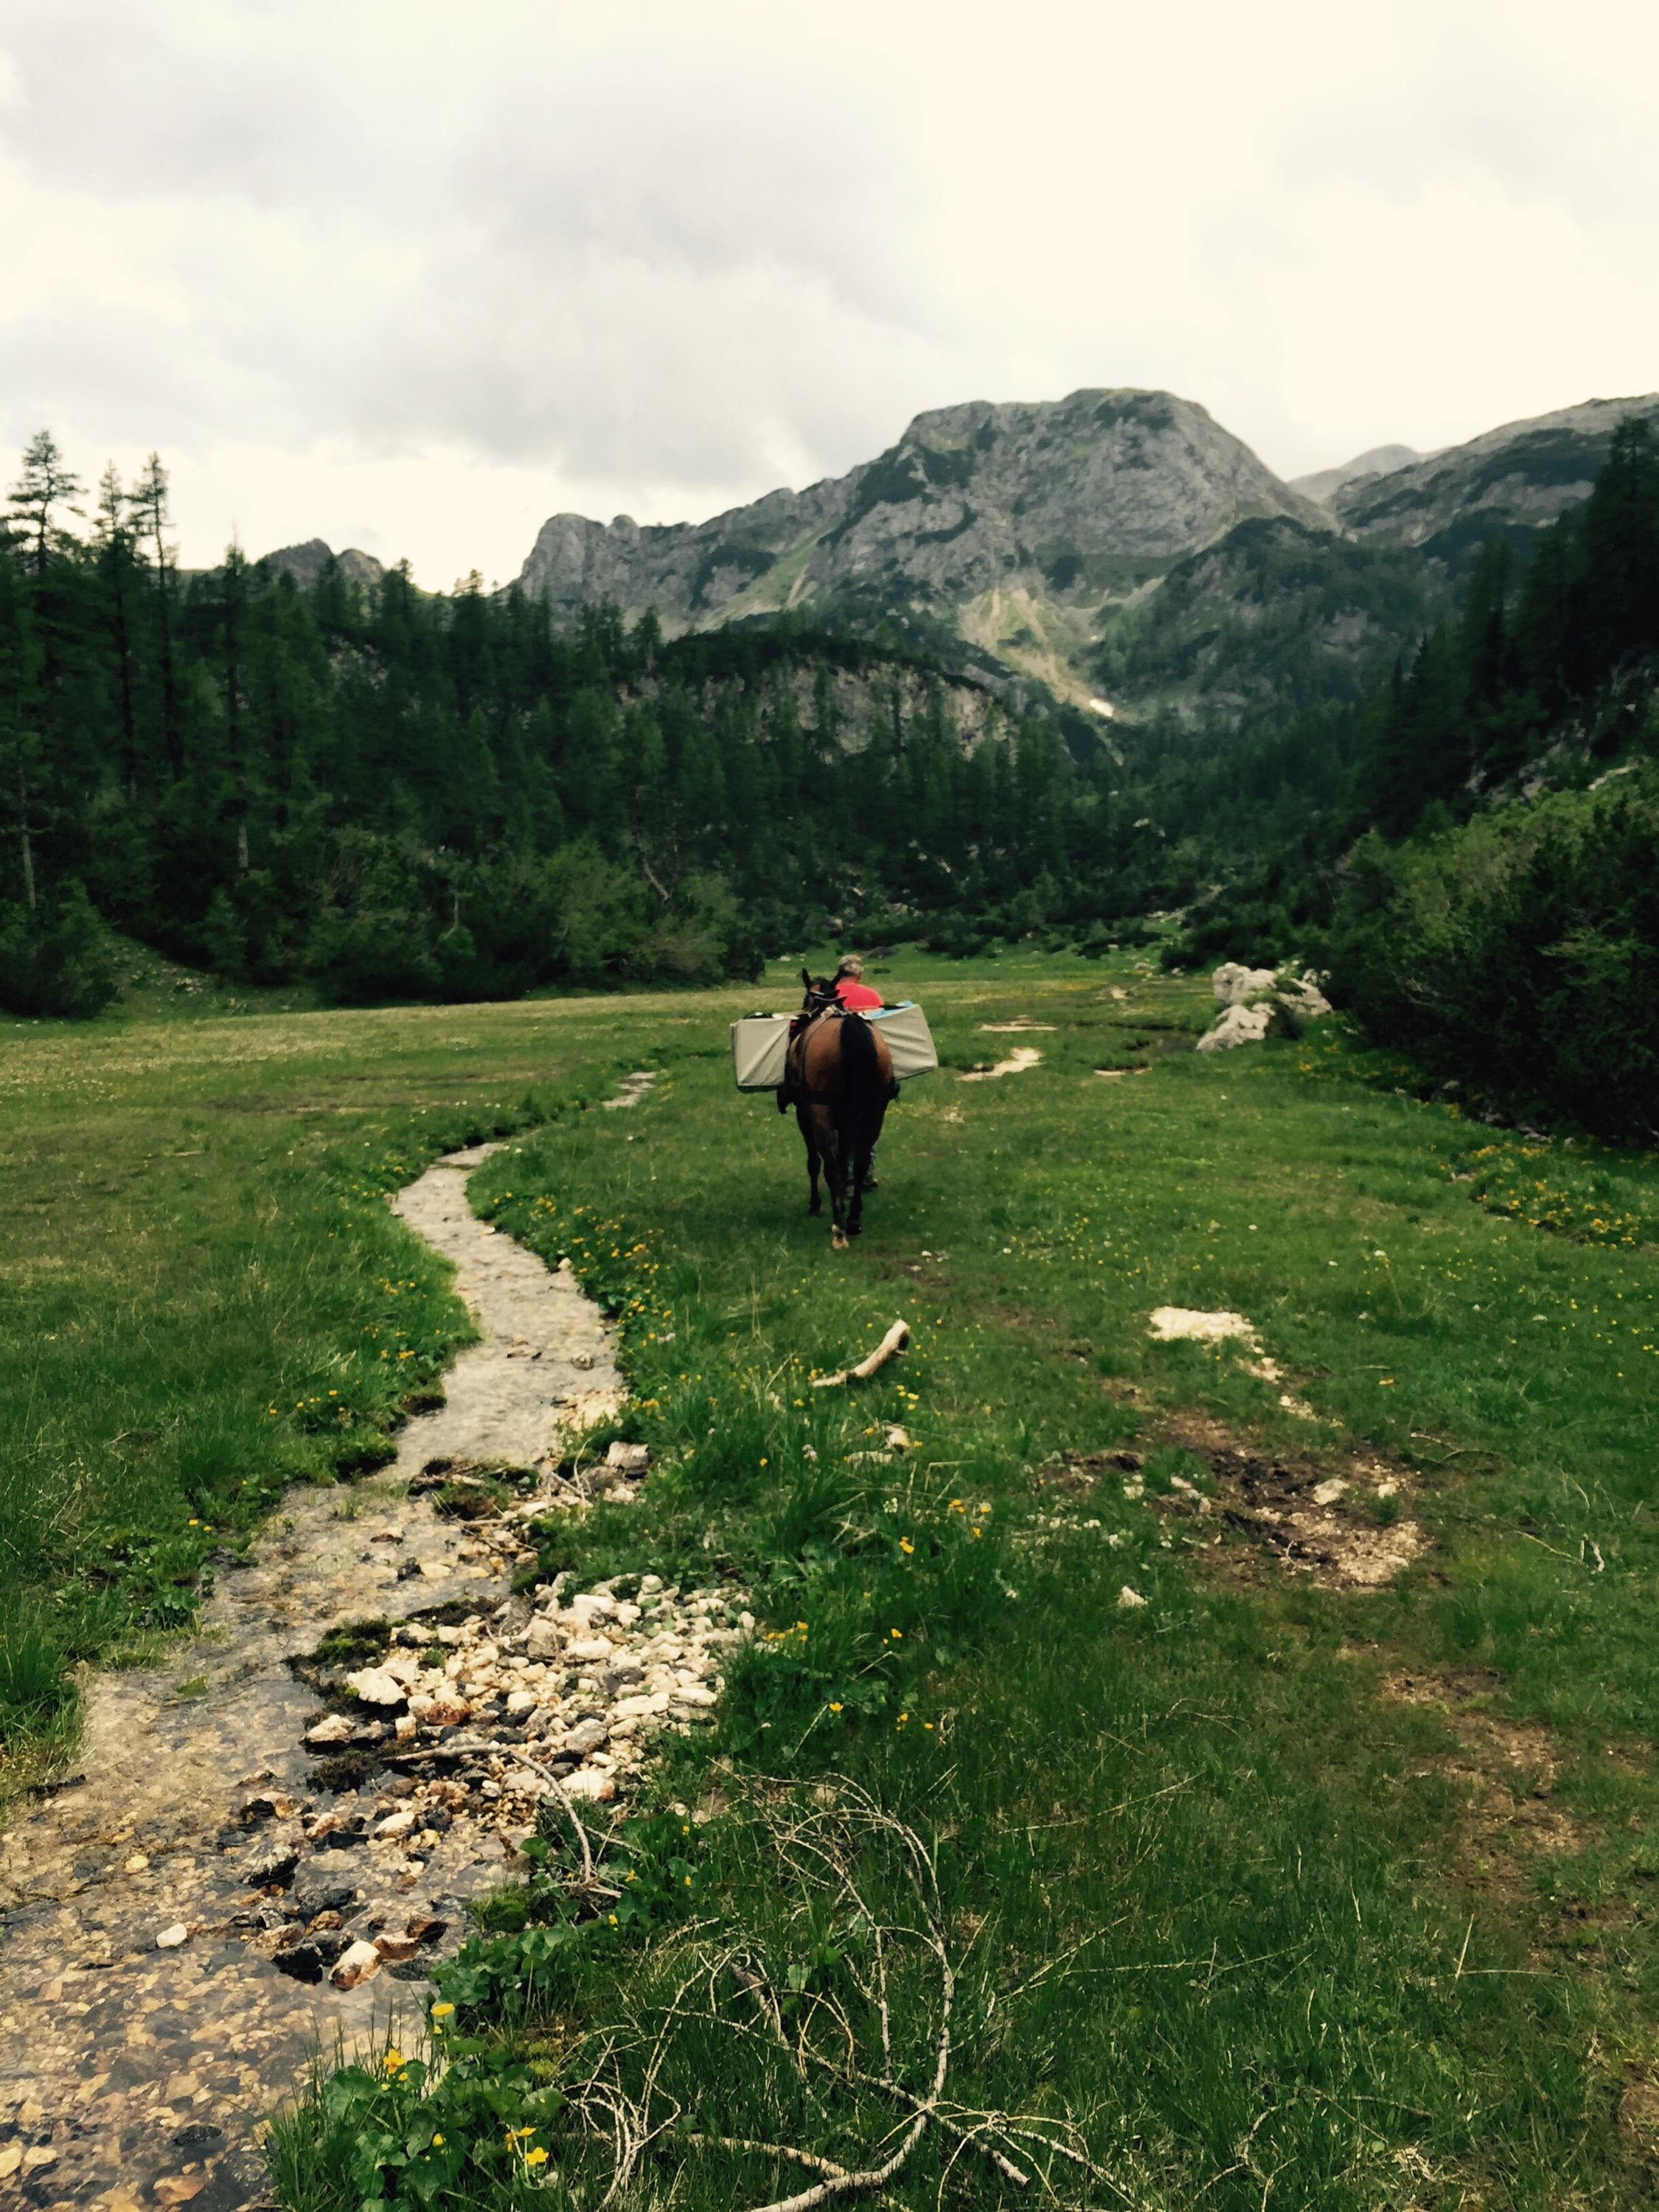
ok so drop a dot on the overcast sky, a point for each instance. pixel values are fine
(412, 274)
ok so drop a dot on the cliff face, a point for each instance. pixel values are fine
(1512, 480)
(1017, 526)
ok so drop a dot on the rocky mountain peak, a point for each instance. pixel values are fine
(1014, 524)
(1376, 461)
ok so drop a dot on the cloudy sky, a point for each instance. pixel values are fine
(412, 274)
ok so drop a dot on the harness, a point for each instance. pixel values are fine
(793, 1091)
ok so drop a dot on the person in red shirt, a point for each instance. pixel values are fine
(856, 995)
(851, 988)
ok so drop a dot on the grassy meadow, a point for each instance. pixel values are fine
(1255, 1892)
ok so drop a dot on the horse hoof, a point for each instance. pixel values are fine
(838, 1242)
(856, 1229)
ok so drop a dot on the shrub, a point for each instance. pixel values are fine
(55, 960)
(1520, 953)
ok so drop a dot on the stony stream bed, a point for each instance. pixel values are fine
(232, 1880)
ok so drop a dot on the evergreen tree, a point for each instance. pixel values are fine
(44, 486)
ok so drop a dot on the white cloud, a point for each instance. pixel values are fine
(413, 276)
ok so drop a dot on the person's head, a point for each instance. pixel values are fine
(850, 965)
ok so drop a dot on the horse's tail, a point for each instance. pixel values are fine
(865, 1087)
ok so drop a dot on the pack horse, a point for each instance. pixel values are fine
(839, 1082)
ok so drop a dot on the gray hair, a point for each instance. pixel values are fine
(849, 964)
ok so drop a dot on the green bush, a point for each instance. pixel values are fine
(55, 960)
(1520, 953)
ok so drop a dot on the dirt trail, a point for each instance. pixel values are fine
(132, 2075)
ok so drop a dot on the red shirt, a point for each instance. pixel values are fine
(856, 995)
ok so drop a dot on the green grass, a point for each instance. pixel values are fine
(1259, 1926)
(202, 1296)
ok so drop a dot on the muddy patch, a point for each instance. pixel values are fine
(1338, 1523)
(1505, 1768)
(220, 1889)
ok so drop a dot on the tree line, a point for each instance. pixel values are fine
(1469, 850)
(393, 793)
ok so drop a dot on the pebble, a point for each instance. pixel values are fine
(355, 1963)
(171, 1938)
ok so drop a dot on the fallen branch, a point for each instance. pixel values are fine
(893, 1343)
(807, 2158)
(556, 1789)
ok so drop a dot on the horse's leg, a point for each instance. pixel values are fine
(832, 1145)
(804, 1117)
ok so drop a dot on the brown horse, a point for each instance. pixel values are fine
(839, 1082)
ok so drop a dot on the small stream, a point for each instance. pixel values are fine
(134, 2074)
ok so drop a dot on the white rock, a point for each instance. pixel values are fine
(521, 1701)
(1238, 1025)
(592, 1603)
(1234, 982)
(400, 1823)
(333, 1728)
(375, 1686)
(357, 1964)
(1128, 1599)
(629, 1459)
(171, 1938)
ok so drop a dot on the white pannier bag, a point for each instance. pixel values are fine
(760, 1045)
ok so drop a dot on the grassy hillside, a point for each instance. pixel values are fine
(1275, 1883)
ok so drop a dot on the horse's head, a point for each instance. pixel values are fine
(820, 992)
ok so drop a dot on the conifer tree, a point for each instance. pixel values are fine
(46, 484)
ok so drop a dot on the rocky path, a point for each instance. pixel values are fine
(164, 1906)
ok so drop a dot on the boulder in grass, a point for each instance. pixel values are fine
(1257, 1003)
